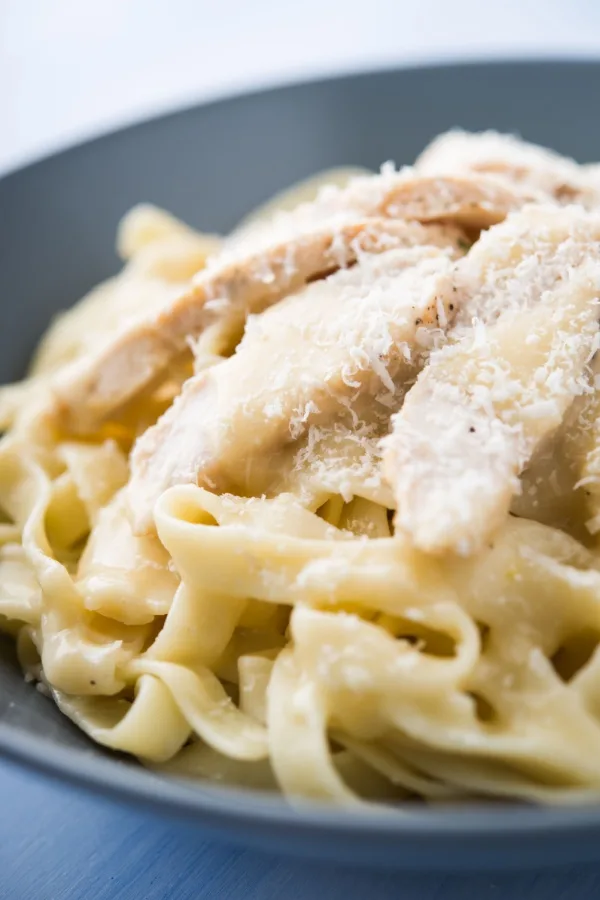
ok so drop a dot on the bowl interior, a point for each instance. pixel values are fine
(210, 165)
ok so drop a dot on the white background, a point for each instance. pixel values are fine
(72, 68)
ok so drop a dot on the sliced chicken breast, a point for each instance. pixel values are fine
(260, 269)
(476, 200)
(506, 156)
(341, 351)
(503, 383)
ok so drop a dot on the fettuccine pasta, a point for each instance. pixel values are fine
(315, 507)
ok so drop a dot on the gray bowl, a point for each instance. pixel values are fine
(210, 165)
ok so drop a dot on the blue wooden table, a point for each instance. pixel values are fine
(59, 844)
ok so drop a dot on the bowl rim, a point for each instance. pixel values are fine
(222, 806)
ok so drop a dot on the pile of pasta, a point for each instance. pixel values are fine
(315, 507)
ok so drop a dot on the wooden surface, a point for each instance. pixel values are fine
(58, 844)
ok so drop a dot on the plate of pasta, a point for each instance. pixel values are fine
(300, 506)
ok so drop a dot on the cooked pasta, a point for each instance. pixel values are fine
(315, 507)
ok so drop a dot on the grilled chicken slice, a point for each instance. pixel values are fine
(506, 156)
(340, 351)
(257, 271)
(472, 200)
(502, 385)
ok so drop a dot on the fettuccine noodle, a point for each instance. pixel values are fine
(314, 507)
